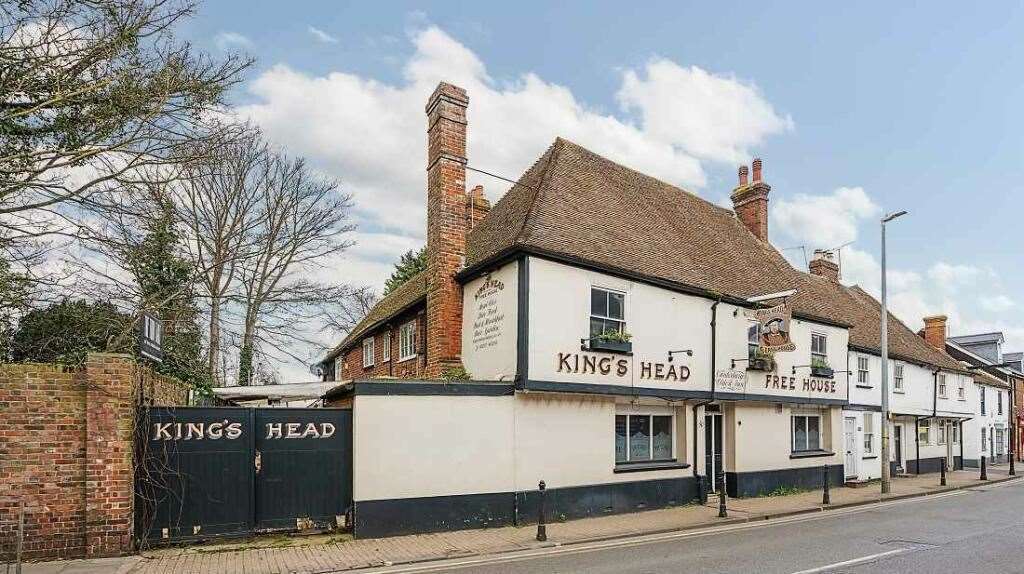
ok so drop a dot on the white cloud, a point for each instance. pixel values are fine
(823, 221)
(952, 276)
(372, 135)
(226, 41)
(710, 116)
(322, 36)
(997, 303)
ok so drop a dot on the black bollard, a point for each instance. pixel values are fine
(942, 473)
(721, 495)
(542, 529)
(825, 498)
(984, 474)
(702, 485)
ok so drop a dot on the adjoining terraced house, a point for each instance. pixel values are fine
(623, 340)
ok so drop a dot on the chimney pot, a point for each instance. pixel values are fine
(757, 169)
(750, 202)
(743, 175)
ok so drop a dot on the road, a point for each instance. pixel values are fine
(976, 530)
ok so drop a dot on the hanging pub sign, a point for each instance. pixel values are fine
(773, 326)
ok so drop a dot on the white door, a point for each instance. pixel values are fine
(850, 434)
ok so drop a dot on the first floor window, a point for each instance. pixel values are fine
(806, 433)
(753, 340)
(385, 353)
(942, 385)
(924, 432)
(368, 352)
(863, 375)
(999, 402)
(984, 442)
(960, 392)
(982, 400)
(897, 377)
(869, 433)
(407, 341)
(607, 312)
(819, 349)
(640, 438)
(339, 370)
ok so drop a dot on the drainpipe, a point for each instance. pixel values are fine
(714, 316)
(917, 444)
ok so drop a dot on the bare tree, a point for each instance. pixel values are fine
(305, 222)
(92, 92)
(218, 203)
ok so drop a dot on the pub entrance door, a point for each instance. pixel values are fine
(205, 472)
(713, 449)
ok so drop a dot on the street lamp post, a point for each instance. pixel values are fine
(886, 471)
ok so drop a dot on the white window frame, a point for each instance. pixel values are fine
(823, 355)
(368, 352)
(941, 433)
(982, 392)
(807, 427)
(385, 353)
(864, 380)
(961, 392)
(897, 377)
(590, 311)
(942, 386)
(984, 440)
(999, 403)
(339, 368)
(650, 442)
(407, 341)
(869, 433)
(926, 426)
(956, 433)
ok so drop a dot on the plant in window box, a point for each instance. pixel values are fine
(820, 368)
(762, 360)
(612, 342)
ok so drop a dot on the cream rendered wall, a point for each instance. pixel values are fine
(569, 440)
(416, 446)
(762, 439)
(489, 321)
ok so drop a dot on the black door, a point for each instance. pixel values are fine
(898, 435)
(302, 478)
(216, 471)
(713, 448)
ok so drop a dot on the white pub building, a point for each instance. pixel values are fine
(624, 341)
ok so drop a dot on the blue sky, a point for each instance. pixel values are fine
(855, 109)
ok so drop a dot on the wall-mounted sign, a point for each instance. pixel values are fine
(489, 317)
(806, 384)
(774, 328)
(731, 381)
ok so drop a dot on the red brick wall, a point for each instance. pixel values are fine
(66, 452)
(415, 368)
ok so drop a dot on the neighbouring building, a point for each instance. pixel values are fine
(626, 342)
(996, 374)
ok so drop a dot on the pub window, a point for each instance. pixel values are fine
(753, 340)
(385, 353)
(806, 433)
(869, 433)
(643, 438)
(819, 348)
(607, 312)
(368, 352)
(407, 341)
(897, 377)
(863, 377)
(942, 433)
(942, 385)
(924, 432)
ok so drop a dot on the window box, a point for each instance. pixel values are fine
(611, 346)
(761, 364)
(822, 371)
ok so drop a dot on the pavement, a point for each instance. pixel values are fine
(317, 555)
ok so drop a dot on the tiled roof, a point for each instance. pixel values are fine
(979, 338)
(402, 298)
(578, 205)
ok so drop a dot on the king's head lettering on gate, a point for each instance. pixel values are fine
(233, 430)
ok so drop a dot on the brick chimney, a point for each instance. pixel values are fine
(477, 207)
(823, 265)
(446, 225)
(935, 331)
(750, 201)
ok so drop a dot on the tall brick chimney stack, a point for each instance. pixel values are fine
(750, 201)
(446, 225)
(935, 331)
(823, 265)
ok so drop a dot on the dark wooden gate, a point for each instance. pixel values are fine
(206, 472)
